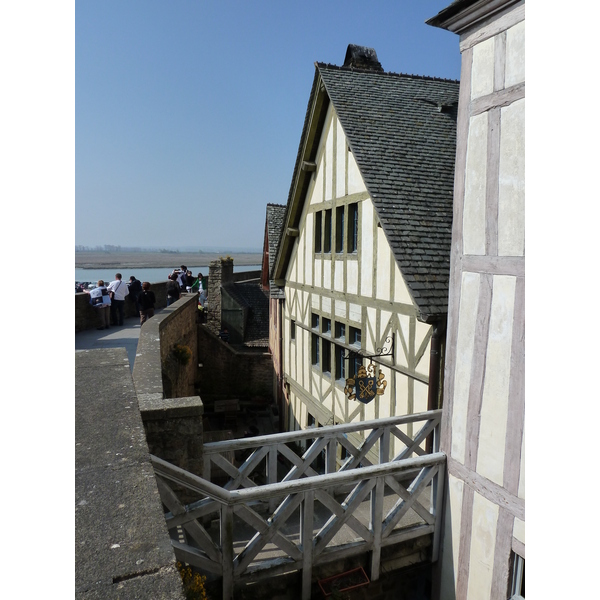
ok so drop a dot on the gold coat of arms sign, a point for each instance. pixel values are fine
(365, 385)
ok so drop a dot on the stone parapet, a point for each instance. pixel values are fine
(87, 318)
(171, 413)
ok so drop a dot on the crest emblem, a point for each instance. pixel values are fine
(365, 385)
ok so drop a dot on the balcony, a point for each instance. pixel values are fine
(293, 502)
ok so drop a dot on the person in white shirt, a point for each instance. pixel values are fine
(100, 300)
(117, 307)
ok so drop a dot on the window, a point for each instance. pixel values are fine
(352, 227)
(339, 229)
(326, 326)
(340, 331)
(310, 420)
(327, 240)
(293, 331)
(340, 362)
(318, 231)
(517, 579)
(326, 366)
(314, 321)
(356, 361)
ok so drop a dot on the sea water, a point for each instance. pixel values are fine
(153, 275)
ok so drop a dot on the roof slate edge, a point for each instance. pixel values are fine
(384, 73)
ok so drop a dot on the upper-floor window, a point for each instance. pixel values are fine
(352, 227)
(318, 231)
(339, 228)
(293, 330)
(327, 232)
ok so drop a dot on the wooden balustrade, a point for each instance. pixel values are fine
(279, 511)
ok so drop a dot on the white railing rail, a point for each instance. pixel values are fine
(307, 518)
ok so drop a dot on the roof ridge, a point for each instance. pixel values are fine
(391, 73)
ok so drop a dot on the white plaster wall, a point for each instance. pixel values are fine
(370, 335)
(464, 355)
(352, 277)
(515, 55)
(401, 348)
(451, 538)
(306, 241)
(421, 331)
(420, 396)
(317, 190)
(318, 272)
(511, 197)
(521, 492)
(367, 251)
(327, 274)
(475, 184)
(355, 312)
(483, 542)
(494, 407)
(519, 530)
(326, 305)
(340, 187)
(340, 309)
(355, 180)
(401, 293)
(384, 255)
(482, 75)
(338, 284)
(329, 157)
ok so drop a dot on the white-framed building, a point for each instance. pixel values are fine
(363, 259)
(483, 549)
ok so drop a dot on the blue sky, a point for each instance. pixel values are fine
(188, 114)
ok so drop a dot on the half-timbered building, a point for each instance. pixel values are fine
(363, 259)
(483, 551)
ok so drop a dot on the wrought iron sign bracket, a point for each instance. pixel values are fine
(386, 350)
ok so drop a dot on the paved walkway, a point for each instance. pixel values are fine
(126, 337)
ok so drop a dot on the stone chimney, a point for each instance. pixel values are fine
(363, 58)
(220, 272)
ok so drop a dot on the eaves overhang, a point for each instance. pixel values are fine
(463, 14)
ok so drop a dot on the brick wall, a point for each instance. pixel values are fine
(229, 372)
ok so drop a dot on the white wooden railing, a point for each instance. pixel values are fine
(299, 515)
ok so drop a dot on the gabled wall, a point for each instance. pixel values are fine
(360, 288)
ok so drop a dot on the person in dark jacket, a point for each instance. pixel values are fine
(146, 301)
(173, 289)
(135, 289)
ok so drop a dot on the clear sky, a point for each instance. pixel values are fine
(188, 114)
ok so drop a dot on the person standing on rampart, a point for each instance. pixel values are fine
(135, 289)
(173, 289)
(117, 290)
(100, 300)
(147, 301)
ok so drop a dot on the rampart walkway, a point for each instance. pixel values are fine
(122, 547)
(126, 336)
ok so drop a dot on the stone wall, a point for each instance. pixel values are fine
(86, 317)
(220, 272)
(230, 372)
(171, 413)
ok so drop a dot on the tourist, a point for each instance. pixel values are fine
(199, 286)
(135, 289)
(173, 289)
(188, 281)
(100, 300)
(117, 290)
(146, 301)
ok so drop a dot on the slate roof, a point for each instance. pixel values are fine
(402, 132)
(249, 294)
(275, 222)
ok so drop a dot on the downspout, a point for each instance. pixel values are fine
(434, 394)
(280, 360)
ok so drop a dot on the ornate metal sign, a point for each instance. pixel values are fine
(365, 385)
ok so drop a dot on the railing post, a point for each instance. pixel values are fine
(272, 473)
(437, 499)
(384, 446)
(376, 526)
(227, 550)
(306, 540)
(331, 460)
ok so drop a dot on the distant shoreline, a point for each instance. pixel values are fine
(150, 260)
